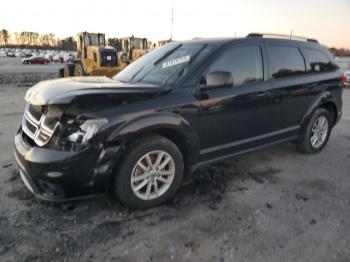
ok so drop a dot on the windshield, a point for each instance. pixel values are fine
(166, 64)
(94, 39)
(138, 43)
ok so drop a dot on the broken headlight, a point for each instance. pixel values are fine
(86, 130)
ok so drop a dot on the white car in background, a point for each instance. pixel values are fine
(49, 56)
(67, 57)
(57, 58)
(11, 54)
(27, 54)
(3, 54)
(19, 54)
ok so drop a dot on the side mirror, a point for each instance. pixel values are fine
(217, 79)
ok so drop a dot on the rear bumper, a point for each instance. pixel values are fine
(57, 176)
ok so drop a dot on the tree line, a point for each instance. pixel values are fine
(50, 41)
(35, 40)
(340, 51)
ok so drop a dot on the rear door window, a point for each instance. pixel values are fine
(244, 63)
(318, 61)
(285, 61)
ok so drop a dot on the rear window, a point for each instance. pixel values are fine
(319, 62)
(286, 61)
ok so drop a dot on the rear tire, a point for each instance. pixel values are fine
(317, 132)
(79, 70)
(61, 72)
(141, 184)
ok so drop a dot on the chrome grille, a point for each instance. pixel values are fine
(30, 126)
(37, 125)
(35, 111)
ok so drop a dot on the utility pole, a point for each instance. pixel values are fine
(172, 22)
(291, 33)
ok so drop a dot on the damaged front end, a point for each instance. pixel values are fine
(57, 155)
(62, 148)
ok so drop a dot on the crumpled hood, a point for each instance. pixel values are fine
(64, 90)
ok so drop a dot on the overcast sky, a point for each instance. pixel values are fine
(327, 21)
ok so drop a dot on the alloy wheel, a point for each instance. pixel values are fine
(319, 131)
(153, 175)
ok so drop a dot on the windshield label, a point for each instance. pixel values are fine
(176, 61)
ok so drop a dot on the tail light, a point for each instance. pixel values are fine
(343, 80)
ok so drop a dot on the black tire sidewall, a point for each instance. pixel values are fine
(122, 181)
(319, 112)
(81, 69)
(69, 69)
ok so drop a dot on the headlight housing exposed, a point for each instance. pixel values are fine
(87, 130)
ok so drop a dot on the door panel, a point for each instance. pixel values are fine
(290, 82)
(231, 114)
(297, 95)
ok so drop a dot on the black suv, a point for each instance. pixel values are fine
(180, 107)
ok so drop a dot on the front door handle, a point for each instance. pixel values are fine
(311, 85)
(263, 93)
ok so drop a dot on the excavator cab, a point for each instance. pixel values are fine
(85, 40)
(132, 48)
(94, 57)
(164, 42)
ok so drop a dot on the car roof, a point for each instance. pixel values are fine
(219, 41)
(309, 43)
(199, 40)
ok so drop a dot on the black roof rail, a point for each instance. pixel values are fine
(282, 36)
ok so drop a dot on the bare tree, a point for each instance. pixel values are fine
(4, 37)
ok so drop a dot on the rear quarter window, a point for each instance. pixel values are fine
(318, 61)
(285, 61)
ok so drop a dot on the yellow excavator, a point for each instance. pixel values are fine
(164, 42)
(95, 58)
(131, 48)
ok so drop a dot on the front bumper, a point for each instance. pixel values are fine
(57, 176)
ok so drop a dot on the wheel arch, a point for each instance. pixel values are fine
(324, 100)
(332, 109)
(171, 126)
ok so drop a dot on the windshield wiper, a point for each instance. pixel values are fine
(192, 59)
(134, 75)
(167, 54)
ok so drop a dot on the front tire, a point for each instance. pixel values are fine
(68, 70)
(150, 173)
(317, 132)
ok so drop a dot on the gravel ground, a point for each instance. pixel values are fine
(14, 73)
(271, 205)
